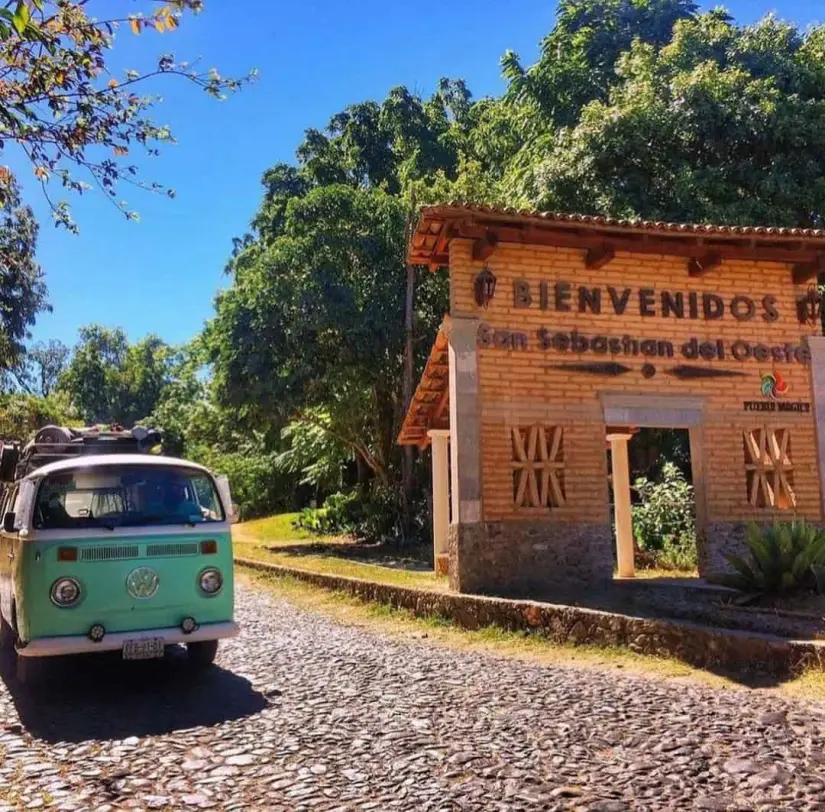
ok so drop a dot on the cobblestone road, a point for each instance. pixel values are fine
(306, 714)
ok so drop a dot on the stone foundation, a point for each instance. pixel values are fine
(529, 558)
(722, 539)
(728, 538)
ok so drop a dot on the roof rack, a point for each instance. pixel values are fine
(53, 443)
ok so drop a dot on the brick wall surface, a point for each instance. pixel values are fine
(518, 386)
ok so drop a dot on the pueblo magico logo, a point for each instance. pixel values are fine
(773, 385)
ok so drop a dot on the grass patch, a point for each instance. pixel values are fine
(273, 530)
(276, 541)
(810, 685)
(528, 647)
(331, 565)
(653, 574)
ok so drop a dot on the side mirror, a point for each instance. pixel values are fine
(235, 514)
(8, 522)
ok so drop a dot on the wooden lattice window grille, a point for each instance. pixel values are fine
(538, 467)
(769, 468)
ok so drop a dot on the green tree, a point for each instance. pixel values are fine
(92, 375)
(635, 108)
(312, 453)
(145, 375)
(21, 414)
(324, 268)
(42, 366)
(63, 107)
(194, 426)
(720, 123)
(312, 328)
(180, 405)
(22, 289)
(109, 380)
(577, 63)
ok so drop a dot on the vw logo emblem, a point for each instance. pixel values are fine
(142, 583)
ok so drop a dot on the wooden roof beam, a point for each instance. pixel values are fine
(484, 246)
(596, 258)
(805, 271)
(443, 402)
(645, 244)
(699, 266)
(428, 408)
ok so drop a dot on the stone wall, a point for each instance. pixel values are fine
(520, 558)
(702, 646)
(723, 539)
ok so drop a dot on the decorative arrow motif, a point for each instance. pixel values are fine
(593, 367)
(688, 372)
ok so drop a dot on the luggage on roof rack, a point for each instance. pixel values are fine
(53, 443)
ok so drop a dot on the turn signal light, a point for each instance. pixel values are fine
(67, 553)
(209, 547)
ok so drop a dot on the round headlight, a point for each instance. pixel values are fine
(65, 592)
(210, 582)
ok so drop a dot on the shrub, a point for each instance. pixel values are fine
(782, 559)
(340, 514)
(382, 518)
(664, 523)
(378, 518)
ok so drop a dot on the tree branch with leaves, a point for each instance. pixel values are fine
(65, 110)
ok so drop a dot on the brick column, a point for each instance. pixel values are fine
(465, 421)
(817, 347)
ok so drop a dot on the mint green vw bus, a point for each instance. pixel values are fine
(102, 550)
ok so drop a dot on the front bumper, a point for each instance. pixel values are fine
(74, 644)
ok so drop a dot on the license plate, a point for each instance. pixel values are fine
(147, 649)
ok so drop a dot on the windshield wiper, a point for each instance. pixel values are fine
(95, 521)
(171, 519)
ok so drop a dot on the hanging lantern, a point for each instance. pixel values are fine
(485, 287)
(810, 306)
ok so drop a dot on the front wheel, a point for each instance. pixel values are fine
(203, 653)
(7, 635)
(29, 670)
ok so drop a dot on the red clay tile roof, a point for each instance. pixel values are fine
(430, 406)
(437, 225)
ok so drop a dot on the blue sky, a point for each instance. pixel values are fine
(160, 275)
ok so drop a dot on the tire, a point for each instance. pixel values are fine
(202, 654)
(7, 635)
(53, 434)
(29, 670)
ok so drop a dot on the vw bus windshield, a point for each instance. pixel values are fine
(126, 496)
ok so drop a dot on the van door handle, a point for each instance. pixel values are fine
(10, 556)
